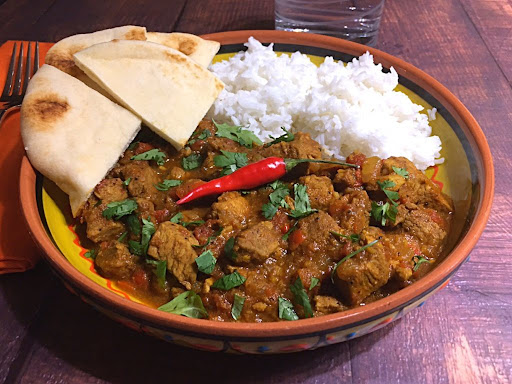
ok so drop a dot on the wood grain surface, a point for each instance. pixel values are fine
(461, 335)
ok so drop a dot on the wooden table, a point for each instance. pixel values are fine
(462, 335)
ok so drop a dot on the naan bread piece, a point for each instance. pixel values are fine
(200, 50)
(72, 134)
(60, 55)
(170, 92)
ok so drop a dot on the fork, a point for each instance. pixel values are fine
(13, 92)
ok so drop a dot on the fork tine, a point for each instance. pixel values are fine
(17, 80)
(28, 68)
(10, 73)
(36, 58)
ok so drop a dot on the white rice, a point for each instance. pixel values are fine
(344, 108)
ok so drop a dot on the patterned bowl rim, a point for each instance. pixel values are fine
(288, 329)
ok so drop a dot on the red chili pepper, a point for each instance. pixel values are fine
(251, 176)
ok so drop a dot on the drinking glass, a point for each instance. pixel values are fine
(355, 20)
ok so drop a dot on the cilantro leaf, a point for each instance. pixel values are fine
(314, 283)
(238, 305)
(122, 237)
(286, 311)
(229, 281)
(286, 137)
(206, 262)
(187, 304)
(91, 254)
(191, 162)
(228, 248)
(302, 205)
(210, 239)
(418, 260)
(392, 195)
(133, 145)
(230, 161)
(276, 199)
(167, 184)
(160, 270)
(148, 230)
(353, 237)
(384, 212)
(301, 297)
(118, 209)
(269, 210)
(134, 224)
(127, 181)
(204, 135)
(153, 154)
(236, 133)
(401, 172)
(176, 219)
(287, 234)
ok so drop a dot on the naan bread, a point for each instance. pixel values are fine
(170, 92)
(60, 55)
(200, 50)
(72, 134)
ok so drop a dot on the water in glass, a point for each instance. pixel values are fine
(355, 20)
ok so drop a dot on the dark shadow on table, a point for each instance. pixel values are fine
(88, 342)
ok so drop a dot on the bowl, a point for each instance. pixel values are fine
(467, 176)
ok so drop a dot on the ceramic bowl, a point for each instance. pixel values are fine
(467, 176)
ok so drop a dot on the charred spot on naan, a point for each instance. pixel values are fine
(135, 34)
(48, 108)
(187, 46)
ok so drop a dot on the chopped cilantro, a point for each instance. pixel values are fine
(210, 239)
(286, 311)
(91, 254)
(167, 184)
(191, 162)
(238, 305)
(236, 133)
(286, 137)
(122, 237)
(230, 161)
(176, 219)
(293, 228)
(401, 172)
(301, 297)
(314, 283)
(148, 230)
(134, 224)
(384, 212)
(269, 210)
(187, 304)
(118, 209)
(133, 145)
(204, 135)
(127, 181)
(153, 154)
(206, 262)
(276, 199)
(302, 205)
(228, 248)
(392, 195)
(97, 203)
(229, 281)
(160, 270)
(353, 238)
(418, 260)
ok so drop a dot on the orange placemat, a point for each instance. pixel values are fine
(17, 250)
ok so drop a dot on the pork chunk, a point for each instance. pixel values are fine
(316, 229)
(429, 232)
(320, 191)
(303, 147)
(362, 274)
(109, 190)
(232, 210)
(352, 210)
(114, 261)
(143, 179)
(256, 244)
(100, 228)
(173, 243)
